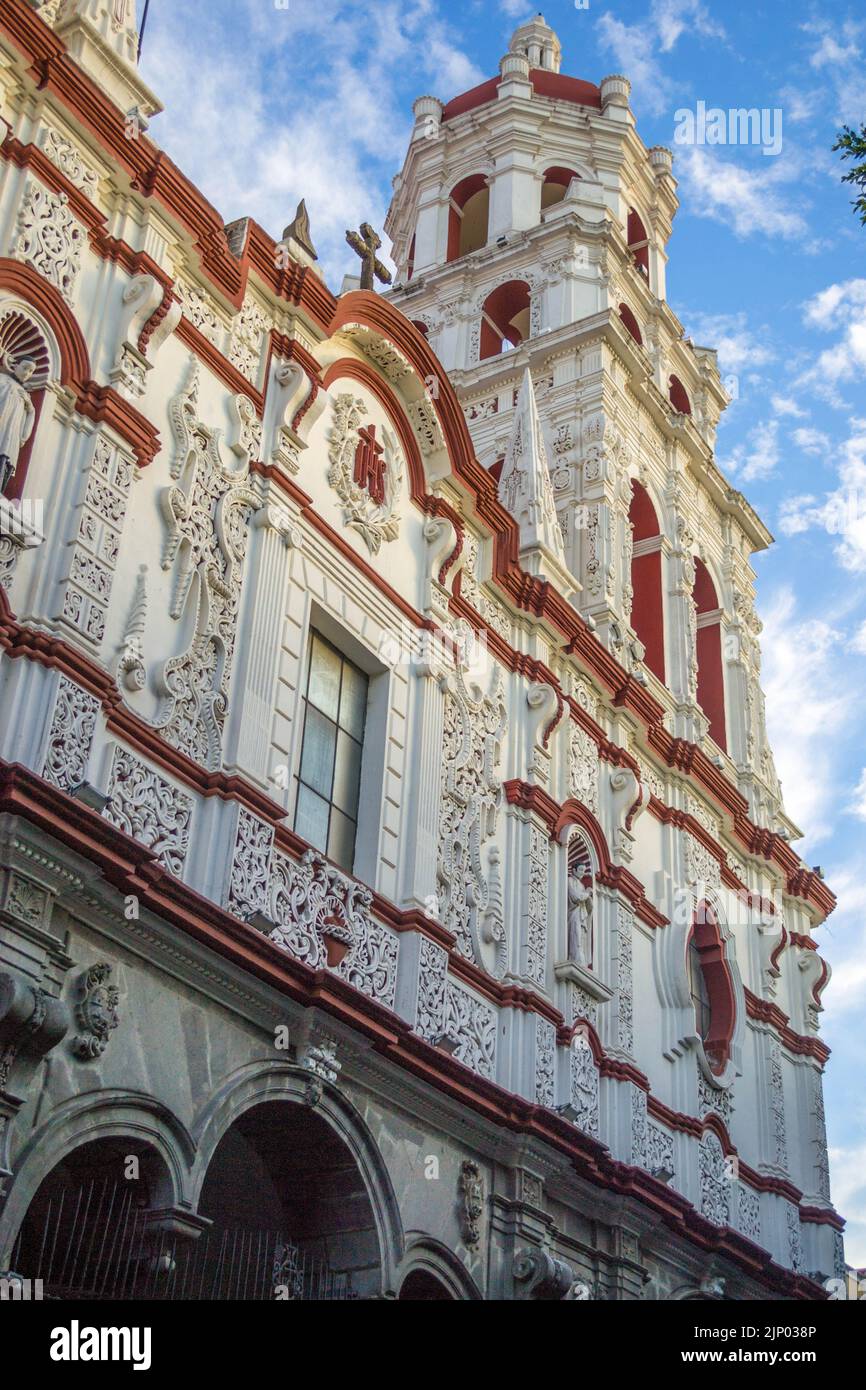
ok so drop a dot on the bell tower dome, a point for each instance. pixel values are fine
(530, 227)
(537, 42)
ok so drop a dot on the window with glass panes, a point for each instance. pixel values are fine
(699, 992)
(329, 774)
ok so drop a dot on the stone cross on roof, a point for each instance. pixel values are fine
(366, 245)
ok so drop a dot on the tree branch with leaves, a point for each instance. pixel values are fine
(852, 145)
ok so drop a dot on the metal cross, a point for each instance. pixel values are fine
(366, 245)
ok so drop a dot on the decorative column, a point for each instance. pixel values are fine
(274, 541)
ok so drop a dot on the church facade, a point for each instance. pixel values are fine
(396, 894)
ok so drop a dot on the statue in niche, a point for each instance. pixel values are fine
(579, 920)
(17, 413)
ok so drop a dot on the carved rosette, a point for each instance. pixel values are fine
(375, 521)
(49, 238)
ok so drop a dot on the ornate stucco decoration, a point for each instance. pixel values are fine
(369, 496)
(545, 1277)
(207, 516)
(469, 890)
(471, 1201)
(96, 1012)
(49, 238)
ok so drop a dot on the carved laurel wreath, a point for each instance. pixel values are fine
(376, 523)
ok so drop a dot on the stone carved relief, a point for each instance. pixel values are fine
(66, 157)
(70, 737)
(536, 927)
(471, 792)
(49, 238)
(795, 1239)
(96, 1012)
(150, 809)
(715, 1183)
(583, 768)
(545, 1060)
(777, 1107)
(625, 986)
(584, 1086)
(248, 332)
(659, 1150)
(250, 872)
(470, 1024)
(93, 557)
(638, 1126)
(207, 520)
(432, 990)
(376, 518)
(749, 1211)
(702, 867)
(324, 918)
(714, 1099)
(471, 1201)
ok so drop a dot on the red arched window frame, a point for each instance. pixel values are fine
(555, 185)
(711, 674)
(638, 242)
(711, 987)
(631, 323)
(679, 396)
(458, 242)
(501, 309)
(647, 610)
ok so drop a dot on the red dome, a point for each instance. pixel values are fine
(544, 84)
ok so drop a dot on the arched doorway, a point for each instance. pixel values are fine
(93, 1227)
(284, 1180)
(420, 1286)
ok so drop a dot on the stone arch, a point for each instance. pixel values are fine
(25, 333)
(708, 642)
(282, 1082)
(46, 305)
(94, 1116)
(647, 617)
(429, 1257)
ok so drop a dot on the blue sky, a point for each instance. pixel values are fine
(269, 103)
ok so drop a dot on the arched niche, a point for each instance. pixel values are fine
(25, 337)
(505, 316)
(555, 185)
(468, 211)
(711, 674)
(647, 615)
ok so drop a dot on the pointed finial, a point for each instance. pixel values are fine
(299, 230)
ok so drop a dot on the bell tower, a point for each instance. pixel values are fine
(530, 227)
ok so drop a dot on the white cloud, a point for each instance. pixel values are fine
(858, 641)
(256, 147)
(807, 705)
(839, 57)
(635, 46)
(811, 441)
(842, 512)
(858, 804)
(748, 201)
(759, 456)
(784, 405)
(738, 346)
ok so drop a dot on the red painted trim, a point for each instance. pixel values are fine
(153, 175)
(130, 868)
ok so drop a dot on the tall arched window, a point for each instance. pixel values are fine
(631, 323)
(555, 185)
(467, 216)
(711, 677)
(647, 612)
(410, 259)
(504, 318)
(638, 243)
(710, 987)
(679, 396)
